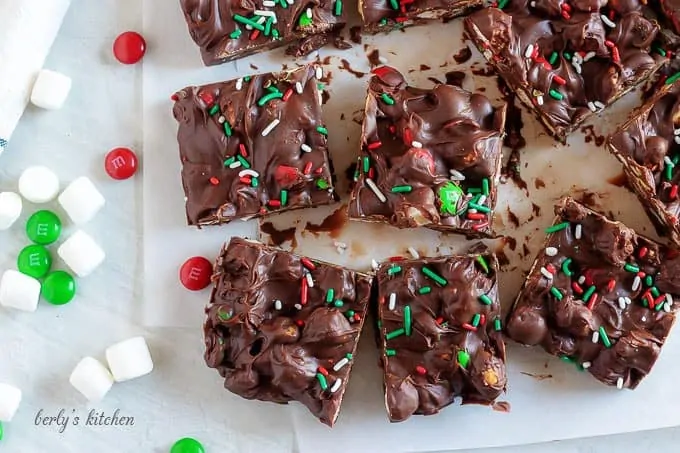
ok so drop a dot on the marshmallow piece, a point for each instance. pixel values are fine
(81, 253)
(92, 379)
(81, 200)
(38, 184)
(10, 209)
(129, 359)
(19, 291)
(10, 398)
(50, 90)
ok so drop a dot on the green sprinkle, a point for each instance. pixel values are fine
(605, 338)
(556, 292)
(673, 78)
(668, 172)
(555, 94)
(350, 313)
(243, 161)
(567, 55)
(322, 184)
(268, 26)
(246, 21)
(329, 295)
(402, 189)
(649, 280)
(553, 58)
(367, 164)
(475, 319)
(304, 20)
(558, 227)
(502, 4)
(441, 281)
(589, 292)
(655, 291)
(644, 302)
(387, 99)
(497, 325)
(338, 8)
(407, 320)
(320, 86)
(485, 186)
(379, 323)
(463, 358)
(474, 190)
(338, 303)
(275, 34)
(223, 316)
(631, 268)
(284, 197)
(229, 161)
(348, 356)
(394, 4)
(425, 290)
(486, 300)
(227, 129)
(322, 130)
(322, 381)
(283, 3)
(390, 352)
(214, 110)
(394, 334)
(660, 51)
(273, 89)
(476, 198)
(255, 182)
(482, 262)
(268, 97)
(565, 267)
(235, 34)
(393, 270)
(479, 207)
(246, 78)
(566, 358)
(383, 21)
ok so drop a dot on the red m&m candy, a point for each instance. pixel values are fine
(121, 163)
(195, 273)
(129, 47)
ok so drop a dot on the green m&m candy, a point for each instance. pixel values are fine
(59, 288)
(187, 445)
(43, 227)
(34, 261)
(449, 194)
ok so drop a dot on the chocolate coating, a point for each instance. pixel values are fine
(447, 353)
(221, 38)
(412, 140)
(671, 10)
(648, 148)
(381, 15)
(594, 275)
(276, 355)
(287, 177)
(576, 63)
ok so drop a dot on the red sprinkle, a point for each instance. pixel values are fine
(394, 259)
(374, 145)
(392, 128)
(643, 252)
(196, 273)
(421, 370)
(214, 181)
(274, 203)
(648, 297)
(242, 150)
(174, 97)
(551, 268)
(319, 170)
(615, 55)
(246, 180)
(592, 301)
(306, 262)
(308, 168)
(408, 137)
(565, 14)
(401, 19)
(381, 301)
(304, 292)
(534, 53)
(612, 14)
(559, 80)
(566, 7)
(641, 274)
(206, 97)
(480, 226)
(589, 277)
(577, 288)
(439, 320)
(661, 299)
(322, 370)
(263, 211)
(381, 71)
(611, 285)
(357, 317)
(300, 323)
(287, 94)
(254, 35)
(482, 319)
(476, 216)
(609, 44)
(469, 327)
(547, 66)
(674, 192)
(371, 173)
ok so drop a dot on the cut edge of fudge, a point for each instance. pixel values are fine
(417, 17)
(348, 362)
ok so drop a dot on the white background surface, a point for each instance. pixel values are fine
(182, 397)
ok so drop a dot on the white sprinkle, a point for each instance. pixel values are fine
(551, 251)
(269, 3)
(586, 365)
(599, 104)
(643, 319)
(481, 200)
(392, 302)
(318, 72)
(374, 265)
(248, 172)
(339, 244)
(667, 160)
(676, 131)
(340, 250)
(472, 211)
(298, 87)
(310, 280)
(539, 99)
(261, 20)
(607, 21)
(278, 304)
(622, 303)
(221, 119)
(533, 4)
(677, 139)
(298, 306)
(416, 144)
(581, 279)
(546, 273)
(667, 307)
(341, 363)
(456, 175)
(376, 191)
(577, 67)
(528, 51)
(669, 299)
(270, 127)
(290, 2)
(591, 106)
(414, 253)
(619, 383)
(320, 97)
(306, 148)
(577, 59)
(262, 12)
(239, 84)
(336, 385)
(579, 231)
(309, 13)
(636, 283)
(249, 27)
(629, 300)
(589, 56)
(596, 337)
(235, 164)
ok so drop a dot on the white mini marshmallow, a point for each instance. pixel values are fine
(81, 253)
(129, 359)
(19, 291)
(38, 184)
(10, 209)
(50, 90)
(10, 398)
(81, 200)
(92, 379)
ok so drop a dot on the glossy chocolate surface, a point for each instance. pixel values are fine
(431, 153)
(253, 146)
(440, 339)
(600, 296)
(304, 349)
(385, 15)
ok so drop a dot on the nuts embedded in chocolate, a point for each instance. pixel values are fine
(657, 148)
(527, 326)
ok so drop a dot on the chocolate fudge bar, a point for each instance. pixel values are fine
(429, 157)
(567, 61)
(282, 328)
(253, 146)
(227, 30)
(648, 145)
(387, 15)
(599, 295)
(440, 332)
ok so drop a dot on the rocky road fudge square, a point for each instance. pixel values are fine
(253, 146)
(282, 328)
(429, 157)
(598, 295)
(440, 332)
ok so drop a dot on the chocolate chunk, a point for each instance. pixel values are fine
(603, 297)
(440, 332)
(253, 146)
(383, 16)
(273, 337)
